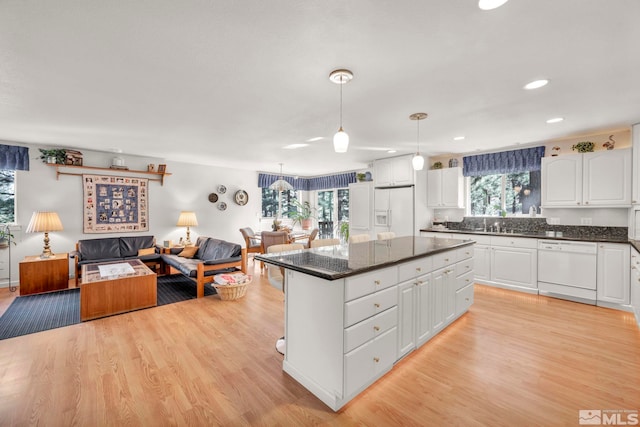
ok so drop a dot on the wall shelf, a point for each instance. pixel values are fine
(159, 176)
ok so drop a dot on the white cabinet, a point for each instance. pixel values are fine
(601, 178)
(406, 317)
(445, 188)
(361, 208)
(635, 185)
(635, 284)
(394, 171)
(613, 273)
(514, 263)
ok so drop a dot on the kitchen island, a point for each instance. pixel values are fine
(352, 311)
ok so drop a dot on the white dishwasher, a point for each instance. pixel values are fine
(567, 270)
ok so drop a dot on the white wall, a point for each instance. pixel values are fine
(186, 189)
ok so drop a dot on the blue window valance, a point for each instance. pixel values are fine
(341, 180)
(14, 157)
(514, 161)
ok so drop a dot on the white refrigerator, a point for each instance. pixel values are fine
(394, 210)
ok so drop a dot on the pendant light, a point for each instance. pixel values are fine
(418, 160)
(341, 138)
(280, 184)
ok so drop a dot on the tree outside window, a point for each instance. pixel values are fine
(270, 202)
(7, 196)
(511, 194)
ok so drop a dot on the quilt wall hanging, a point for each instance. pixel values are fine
(115, 204)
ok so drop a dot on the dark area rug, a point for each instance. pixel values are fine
(35, 313)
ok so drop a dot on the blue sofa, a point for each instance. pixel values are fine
(214, 256)
(108, 249)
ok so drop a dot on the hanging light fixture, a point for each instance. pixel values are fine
(280, 184)
(341, 138)
(418, 160)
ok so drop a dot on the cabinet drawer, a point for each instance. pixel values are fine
(464, 299)
(367, 283)
(443, 259)
(464, 267)
(464, 280)
(357, 310)
(515, 242)
(360, 333)
(414, 268)
(464, 253)
(369, 361)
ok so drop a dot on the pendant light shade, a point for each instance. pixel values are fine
(280, 184)
(341, 138)
(418, 160)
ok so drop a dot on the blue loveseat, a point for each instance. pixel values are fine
(115, 249)
(214, 256)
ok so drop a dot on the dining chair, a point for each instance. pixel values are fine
(358, 238)
(386, 235)
(270, 238)
(252, 242)
(312, 236)
(324, 242)
(276, 279)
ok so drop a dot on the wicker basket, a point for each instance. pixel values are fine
(231, 292)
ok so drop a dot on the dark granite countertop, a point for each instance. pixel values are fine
(540, 235)
(337, 262)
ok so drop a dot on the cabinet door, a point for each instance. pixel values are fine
(452, 188)
(369, 361)
(402, 171)
(607, 178)
(382, 173)
(450, 288)
(437, 299)
(424, 302)
(360, 208)
(514, 266)
(613, 273)
(562, 181)
(482, 262)
(434, 188)
(635, 185)
(406, 317)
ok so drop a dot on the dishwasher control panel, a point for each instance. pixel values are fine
(572, 247)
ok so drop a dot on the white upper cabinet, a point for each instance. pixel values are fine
(445, 188)
(602, 178)
(361, 208)
(635, 135)
(394, 171)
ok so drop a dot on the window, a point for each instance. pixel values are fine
(7, 196)
(332, 205)
(512, 193)
(343, 205)
(270, 202)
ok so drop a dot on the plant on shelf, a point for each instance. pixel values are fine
(57, 155)
(583, 147)
(5, 237)
(302, 213)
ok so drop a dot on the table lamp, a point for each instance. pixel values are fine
(45, 222)
(187, 219)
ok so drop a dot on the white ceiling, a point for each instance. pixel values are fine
(231, 82)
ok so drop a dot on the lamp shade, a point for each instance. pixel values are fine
(417, 162)
(187, 219)
(340, 141)
(44, 222)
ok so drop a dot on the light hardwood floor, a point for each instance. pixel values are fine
(513, 360)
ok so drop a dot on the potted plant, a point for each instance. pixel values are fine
(583, 147)
(5, 235)
(344, 231)
(303, 214)
(57, 156)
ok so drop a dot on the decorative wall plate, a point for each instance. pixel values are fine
(222, 189)
(213, 197)
(222, 206)
(241, 197)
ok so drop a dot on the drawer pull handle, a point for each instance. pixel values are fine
(376, 328)
(467, 280)
(376, 305)
(466, 299)
(418, 269)
(446, 259)
(377, 282)
(376, 359)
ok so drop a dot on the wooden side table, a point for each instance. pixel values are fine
(44, 274)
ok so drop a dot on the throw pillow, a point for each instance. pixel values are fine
(147, 251)
(188, 252)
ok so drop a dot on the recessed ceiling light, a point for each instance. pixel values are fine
(536, 84)
(317, 138)
(458, 138)
(391, 151)
(490, 4)
(555, 120)
(294, 146)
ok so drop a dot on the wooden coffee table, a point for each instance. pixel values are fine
(116, 287)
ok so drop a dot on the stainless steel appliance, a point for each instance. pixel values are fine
(567, 270)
